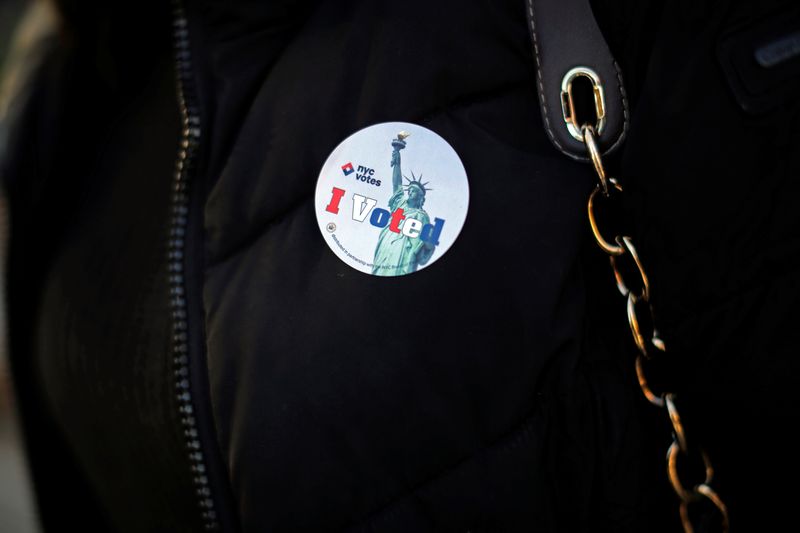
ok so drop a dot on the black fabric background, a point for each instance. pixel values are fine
(89, 185)
(712, 187)
(511, 405)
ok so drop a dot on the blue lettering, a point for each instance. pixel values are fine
(430, 232)
(380, 217)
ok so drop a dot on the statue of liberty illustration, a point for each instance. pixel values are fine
(397, 254)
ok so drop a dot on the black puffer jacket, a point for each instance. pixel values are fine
(191, 340)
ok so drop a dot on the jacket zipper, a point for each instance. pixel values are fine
(187, 152)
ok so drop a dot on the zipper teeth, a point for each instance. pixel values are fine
(190, 137)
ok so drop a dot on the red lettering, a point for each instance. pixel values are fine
(333, 207)
(397, 216)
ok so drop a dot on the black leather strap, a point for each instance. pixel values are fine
(565, 35)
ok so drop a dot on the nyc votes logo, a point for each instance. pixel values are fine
(365, 174)
(404, 229)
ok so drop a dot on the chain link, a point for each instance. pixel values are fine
(621, 249)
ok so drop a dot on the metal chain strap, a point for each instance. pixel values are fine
(647, 340)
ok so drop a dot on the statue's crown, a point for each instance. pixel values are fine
(418, 182)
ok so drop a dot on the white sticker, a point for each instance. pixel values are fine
(391, 199)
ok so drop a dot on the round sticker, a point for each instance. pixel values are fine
(391, 199)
